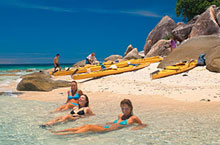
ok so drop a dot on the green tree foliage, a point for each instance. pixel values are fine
(190, 8)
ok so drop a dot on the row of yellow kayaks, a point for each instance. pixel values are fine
(109, 71)
(175, 69)
(92, 68)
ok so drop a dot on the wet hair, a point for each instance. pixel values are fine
(71, 87)
(87, 101)
(127, 102)
(58, 54)
(74, 82)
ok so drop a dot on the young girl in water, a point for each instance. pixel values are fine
(124, 119)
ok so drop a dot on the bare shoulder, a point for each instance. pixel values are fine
(120, 115)
(88, 111)
(80, 92)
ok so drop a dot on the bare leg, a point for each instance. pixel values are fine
(83, 129)
(60, 108)
(61, 119)
(69, 129)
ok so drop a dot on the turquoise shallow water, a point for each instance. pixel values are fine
(8, 67)
(20, 120)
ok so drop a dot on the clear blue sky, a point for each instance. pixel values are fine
(34, 31)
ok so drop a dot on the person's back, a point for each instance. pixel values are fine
(90, 59)
(56, 63)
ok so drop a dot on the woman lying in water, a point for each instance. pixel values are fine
(77, 112)
(72, 100)
(124, 119)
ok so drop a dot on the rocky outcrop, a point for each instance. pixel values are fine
(129, 48)
(80, 63)
(213, 59)
(206, 24)
(193, 20)
(15, 70)
(113, 58)
(218, 15)
(8, 75)
(29, 70)
(40, 82)
(182, 31)
(191, 49)
(132, 54)
(40, 74)
(141, 53)
(161, 48)
(162, 29)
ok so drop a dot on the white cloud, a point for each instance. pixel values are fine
(142, 13)
(21, 4)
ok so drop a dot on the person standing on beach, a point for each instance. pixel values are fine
(91, 58)
(172, 43)
(56, 63)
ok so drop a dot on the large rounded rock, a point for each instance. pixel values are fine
(132, 54)
(113, 58)
(80, 63)
(206, 24)
(129, 48)
(40, 81)
(213, 59)
(161, 48)
(162, 29)
(218, 15)
(13, 71)
(40, 84)
(182, 31)
(40, 74)
(8, 75)
(191, 49)
(193, 20)
(34, 84)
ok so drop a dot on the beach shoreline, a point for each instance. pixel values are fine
(197, 85)
(174, 110)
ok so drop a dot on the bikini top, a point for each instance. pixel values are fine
(81, 112)
(124, 122)
(76, 96)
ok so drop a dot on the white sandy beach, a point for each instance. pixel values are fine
(198, 85)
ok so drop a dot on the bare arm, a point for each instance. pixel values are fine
(80, 92)
(113, 121)
(67, 97)
(55, 61)
(89, 111)
(138, 121)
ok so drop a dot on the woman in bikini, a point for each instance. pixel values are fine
(72, 100)
(124, 119)
(77, 112)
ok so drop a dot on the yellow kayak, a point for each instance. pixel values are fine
(112, 71)
(146, 60)
(175, 69)
(88, 68)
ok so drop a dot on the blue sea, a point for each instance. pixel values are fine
(35, 67)
(22, 69)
